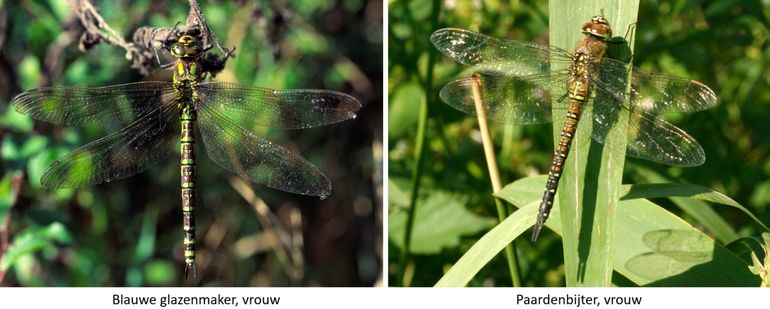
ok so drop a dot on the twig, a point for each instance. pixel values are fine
(147, 41)
(486, 140)
(494, 174)
(276, 236)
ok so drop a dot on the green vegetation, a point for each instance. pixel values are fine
(128, 232)
(720, 44)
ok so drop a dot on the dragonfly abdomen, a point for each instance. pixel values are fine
(589, 51)
(578, 92)
(188, 117)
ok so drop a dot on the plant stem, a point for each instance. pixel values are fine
(494, 176)
(419, 146)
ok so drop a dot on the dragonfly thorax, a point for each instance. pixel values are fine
(598, 27)
(186, 47)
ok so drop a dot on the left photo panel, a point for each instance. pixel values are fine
(191, 143)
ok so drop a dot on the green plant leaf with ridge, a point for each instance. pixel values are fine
(654, 247)
(591, 176)
(671, 190)
(639, 221)
(440, 222)
(488, 246)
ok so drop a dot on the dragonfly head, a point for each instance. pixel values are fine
(598, 27)
(186, 47)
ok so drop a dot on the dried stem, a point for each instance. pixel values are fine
(147, 41)
(494, 174)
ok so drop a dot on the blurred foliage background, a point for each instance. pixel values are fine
(128, 232)
(723, 44)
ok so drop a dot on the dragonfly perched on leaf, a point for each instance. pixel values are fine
(518, 86)
(155, 114)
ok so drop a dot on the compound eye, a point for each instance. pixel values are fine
(599, 19)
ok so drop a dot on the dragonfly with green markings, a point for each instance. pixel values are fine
(518, 85)
(154, 115)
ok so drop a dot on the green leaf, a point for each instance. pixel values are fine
(9, 149)
(308, 42)
(701, 212)
(440, 222)
(8, 194)
(402, 112)
(712, 266)
(637, 258)
(16, 148)
(145, 246)
(756, 267)
(159, 272)
(396, 196)
(34, 239)
(29, 71)
(11, 119)
(672, 190)
(592, 176)
(761, 268)
(488, 246)
(37, 165)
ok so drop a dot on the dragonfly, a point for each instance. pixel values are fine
(154, 115)
(518, 86)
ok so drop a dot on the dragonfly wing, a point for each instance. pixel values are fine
(653, 93)
(663, 94)
(652, 138)
(124, 153)
(649, 136)
(249, 106)
(494, 56)
(255, 158)
(522, 100)
(118, 104)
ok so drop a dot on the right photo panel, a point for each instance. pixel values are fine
(577, 144)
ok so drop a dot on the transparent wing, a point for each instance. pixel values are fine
(255, 158)
(652, 138)
(118, 104)
(249, 106)
(649, 136)
(124, 153)
(517, 85)
(521, 100)
(493, 56)
(653, 93)
(516, 77)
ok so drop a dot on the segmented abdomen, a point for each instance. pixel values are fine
(188, 188)
(578, 93)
